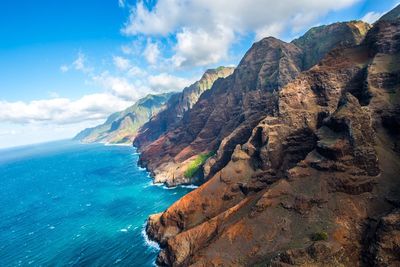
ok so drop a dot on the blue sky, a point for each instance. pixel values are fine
(66, 65)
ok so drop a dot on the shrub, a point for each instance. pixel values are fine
(319, 236)
(195, 165)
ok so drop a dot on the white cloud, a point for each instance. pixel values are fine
(80, 64)
(135, 71)
(120, 86)
(269, 30)
(121, 63)
(200, 48)
(168, 83)
(216, 24)
(62, 110)
(371, 17)
(151, 52)
(160, 21)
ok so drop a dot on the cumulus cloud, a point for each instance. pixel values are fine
(167, 83)
(216, 24)
(200, 48)
(135, 71)
(80, 63)
(119, 94)
(371, 17)
(62, 110)
(151, 52)
(121, 87)
(121, 63)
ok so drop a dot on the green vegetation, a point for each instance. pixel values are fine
(195, 165)
(319, 236)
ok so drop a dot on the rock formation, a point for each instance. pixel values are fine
(177, 106)
(225, 115)
(306, 170)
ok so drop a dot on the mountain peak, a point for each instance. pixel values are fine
(319, 40)
(220, 69)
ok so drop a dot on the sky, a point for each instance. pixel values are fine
(66, 65)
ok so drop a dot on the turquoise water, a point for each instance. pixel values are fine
(64, 203)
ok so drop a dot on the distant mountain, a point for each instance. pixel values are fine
(177, 105)
(121, 127)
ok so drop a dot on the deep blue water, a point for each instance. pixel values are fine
(64, 203)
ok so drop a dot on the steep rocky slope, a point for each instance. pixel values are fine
(225, 115)
(122, 127)
(314, 182)
(178, 105)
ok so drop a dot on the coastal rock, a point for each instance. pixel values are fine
(225, 115)
(178, 105)
(307, 175)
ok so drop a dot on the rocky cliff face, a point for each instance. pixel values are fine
(225, 115)
(319, 40)
(121, 127)
(307, 165)
(177, 106)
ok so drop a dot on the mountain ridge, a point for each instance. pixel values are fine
(178, 105)
(237, 100)
(120, 127)
(306, 170)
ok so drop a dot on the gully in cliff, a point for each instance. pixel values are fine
(306, 162)
(208, 140)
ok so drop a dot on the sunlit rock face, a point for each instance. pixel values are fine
(225, 115)
(307, 158)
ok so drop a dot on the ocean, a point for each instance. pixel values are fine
(69, 204)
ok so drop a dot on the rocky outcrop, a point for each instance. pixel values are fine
(177, 106)
(121, 127)
(383, 240)
(319, 40)
(307, 163)
(225, 115)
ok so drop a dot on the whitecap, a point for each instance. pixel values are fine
(124, 230)
(157, 184)
(150, 243)
(110, 144)
(190, 186)
(169, 188)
